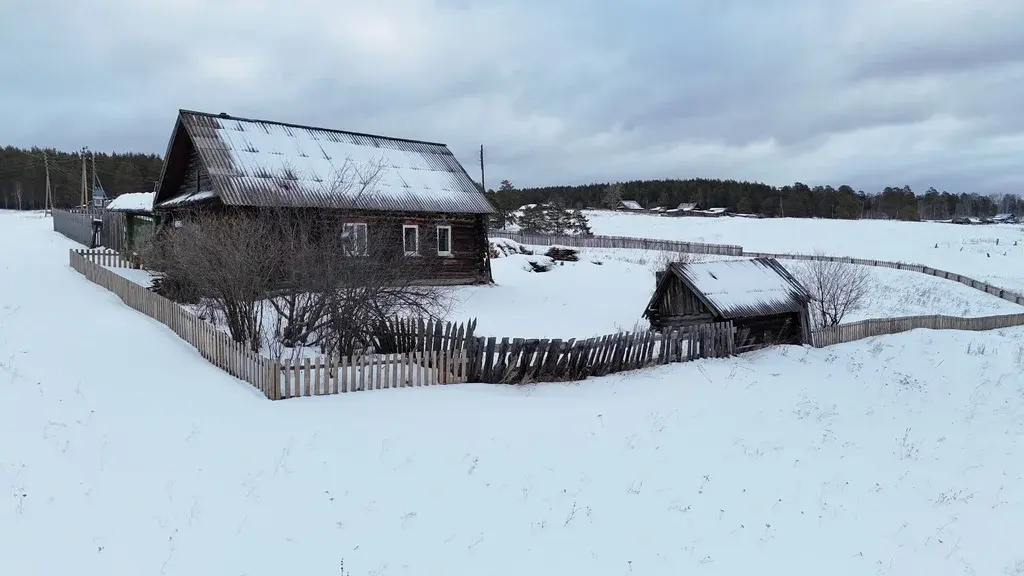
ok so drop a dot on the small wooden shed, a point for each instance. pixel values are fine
(137, 208)
(766, 304)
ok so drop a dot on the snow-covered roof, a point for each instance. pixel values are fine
(188, 198)
(631, 204)
(740, 288)
(260, 163)
(132, 202)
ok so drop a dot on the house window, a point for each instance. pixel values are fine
(444, 240)
(353, 237)
(411, 239)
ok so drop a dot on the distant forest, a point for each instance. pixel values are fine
(23, 186)
(23, 176)
(795, 201)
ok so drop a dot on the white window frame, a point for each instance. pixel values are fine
(354, 226)
(416, 249)
(449, 251)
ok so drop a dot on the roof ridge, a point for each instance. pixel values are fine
(225, 116)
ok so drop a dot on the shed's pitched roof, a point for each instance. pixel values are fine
(263, 163)
(132, 202)
(739, 288)
(631, 204)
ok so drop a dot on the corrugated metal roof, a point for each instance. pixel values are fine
(262, 163)
(744, 288)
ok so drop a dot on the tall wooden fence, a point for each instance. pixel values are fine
(882, 326)
(76, 224)
(618, 242)
(77, 227)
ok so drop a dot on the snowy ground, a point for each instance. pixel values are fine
(584, 299)
(970, 250)
(126, 453)
(581, 299)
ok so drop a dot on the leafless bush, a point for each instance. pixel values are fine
(227, 262)
(837, 288)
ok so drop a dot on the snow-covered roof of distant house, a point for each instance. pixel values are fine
(1003, 216)
(132, 202)
(631, 204)
(687, 206)
(739, 288)
(263, 163)
(715, 210)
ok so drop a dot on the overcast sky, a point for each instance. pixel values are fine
(865, 92)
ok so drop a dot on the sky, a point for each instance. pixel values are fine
(869, 93)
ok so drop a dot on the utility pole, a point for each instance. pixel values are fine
(48, 206)
(85, 184)
(483, 184)
(92, 196)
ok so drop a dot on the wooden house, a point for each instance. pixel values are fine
(410, 196)
(629, 205)
(765, 302)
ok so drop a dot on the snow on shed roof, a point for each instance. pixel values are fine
(742, 288)
(132, 202)
(260, 163)
(631, 204)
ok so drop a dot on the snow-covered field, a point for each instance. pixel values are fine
(970, 250)
(582, 299)
(125, 453)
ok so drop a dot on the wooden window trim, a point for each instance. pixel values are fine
(416, 250)
(445, 252)
(366, 237)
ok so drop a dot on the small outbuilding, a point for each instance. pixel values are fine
(766, 304)
(138, 223)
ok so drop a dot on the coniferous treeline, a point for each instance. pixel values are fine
(796, 201)
(23, 176)
(23, 185)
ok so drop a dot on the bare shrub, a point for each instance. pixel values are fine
(226, 262)
(837, 288)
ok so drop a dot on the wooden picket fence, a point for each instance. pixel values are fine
(494, 360)
(321, 376)
(618, 242)
(882, 326)
(108, 258)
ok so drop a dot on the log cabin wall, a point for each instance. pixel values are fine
(469, 262)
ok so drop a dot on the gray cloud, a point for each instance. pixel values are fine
(865, 92)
